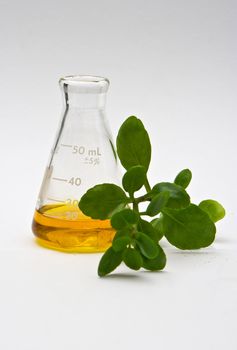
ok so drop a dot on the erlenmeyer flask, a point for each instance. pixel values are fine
(83, 156)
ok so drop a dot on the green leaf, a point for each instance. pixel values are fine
(157, 203)
(109, 261)
(121, 243)
(158, 263)
(183, 178)
(100, 201)
(146, 245)
(132, 258)
(214, 209)
(133, 144)
(134, 178)
(178, 196)
(124, 218)
(158, 227)
(148, 229)
(189, 228)
(122, 233)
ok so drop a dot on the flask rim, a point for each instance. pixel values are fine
(88, 82)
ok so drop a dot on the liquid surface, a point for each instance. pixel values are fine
(64, 227)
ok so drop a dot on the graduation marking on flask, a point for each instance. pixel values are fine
(55, 200)
(91, 156)
(82, 150)
(73, 180)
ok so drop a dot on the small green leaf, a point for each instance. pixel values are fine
(214, 209)
(158, 263)
(189, 228)
(134, 178)
(148, 229)
(157, 203)
(178, 196)
(133, 144)
(183, 178)
(124, 218)
(146, 245)
(109, 261)
(121, 243)
(132, 258)
(158, 227)
(100, 201)
(122, 233)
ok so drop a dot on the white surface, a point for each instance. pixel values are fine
(172, 63)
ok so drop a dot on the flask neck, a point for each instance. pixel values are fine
(84, 101)
(84, 92)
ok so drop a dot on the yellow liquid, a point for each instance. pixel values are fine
(63, 227)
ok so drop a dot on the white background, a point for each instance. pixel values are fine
(173, 64)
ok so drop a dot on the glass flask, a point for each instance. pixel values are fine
(83, 155)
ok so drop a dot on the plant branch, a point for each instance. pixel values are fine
(147, 185)
(144, 198)
(134, 202)
(135, 206)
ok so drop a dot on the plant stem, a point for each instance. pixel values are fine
(135, 203)
(144, 198)
(135, 206)
(147, 185)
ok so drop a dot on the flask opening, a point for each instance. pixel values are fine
(84, 84)
(84, 91)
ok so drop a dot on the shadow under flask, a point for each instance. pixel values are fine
(82, 157)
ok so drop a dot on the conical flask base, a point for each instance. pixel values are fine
(57, 227)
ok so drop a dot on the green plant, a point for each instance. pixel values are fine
(136, 242)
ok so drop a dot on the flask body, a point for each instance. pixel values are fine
(83, 156)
